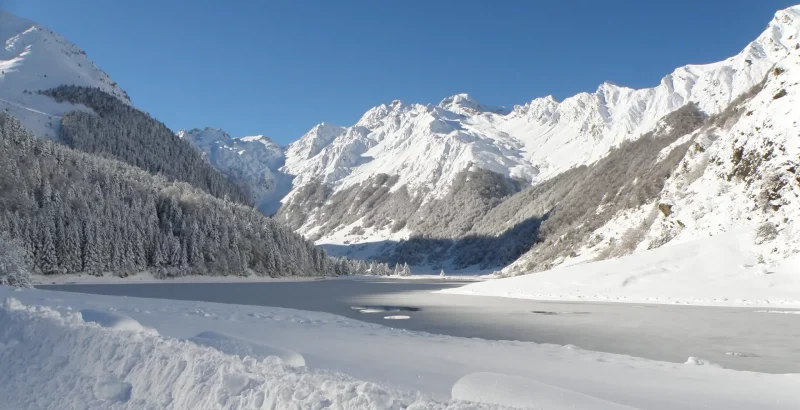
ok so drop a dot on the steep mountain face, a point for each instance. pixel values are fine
(253, 161)
(744, 171)
(36, 58)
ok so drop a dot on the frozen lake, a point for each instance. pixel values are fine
(736, 338)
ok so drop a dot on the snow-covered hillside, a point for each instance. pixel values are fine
(35, 58)
(253, 161)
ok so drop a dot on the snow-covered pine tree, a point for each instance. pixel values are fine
(13, 267)
(406, 271)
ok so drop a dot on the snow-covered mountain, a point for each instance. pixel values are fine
(544, 135)
(425, 147)
(35, 58)
(254, 161)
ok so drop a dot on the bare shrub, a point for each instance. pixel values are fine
(765, 233)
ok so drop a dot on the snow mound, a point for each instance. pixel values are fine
(239, 347)
(696, 361)
(520, 392)
(50, 360)
(115, 321)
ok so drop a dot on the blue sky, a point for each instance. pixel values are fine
(280, 67)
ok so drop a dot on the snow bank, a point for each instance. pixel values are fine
(716, 271)
(50, 360)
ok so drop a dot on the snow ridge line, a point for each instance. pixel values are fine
(50, 360)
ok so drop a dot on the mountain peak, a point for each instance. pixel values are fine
(267, 141)
(464, 103)
(34, 58)
(460, 99)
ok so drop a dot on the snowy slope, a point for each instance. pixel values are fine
(35, 58)
(254, 161)
(51, 358)
(744, 172)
